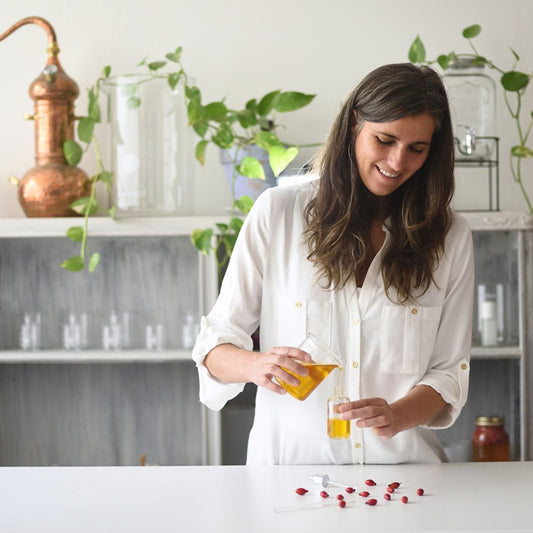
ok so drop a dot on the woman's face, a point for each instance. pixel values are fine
(389, 153)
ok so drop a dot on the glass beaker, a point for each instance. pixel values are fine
(324, 360)
(151, 146)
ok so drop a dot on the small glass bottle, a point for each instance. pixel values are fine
(490, 441)
(337, 428)
(489, 324)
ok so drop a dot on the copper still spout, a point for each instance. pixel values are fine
(48, 189)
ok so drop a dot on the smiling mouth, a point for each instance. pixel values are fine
(387, 174)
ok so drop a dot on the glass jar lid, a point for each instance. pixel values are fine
(492, 420)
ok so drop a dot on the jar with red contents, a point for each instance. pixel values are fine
(490, 441)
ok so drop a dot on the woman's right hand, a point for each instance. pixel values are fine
(262, 367)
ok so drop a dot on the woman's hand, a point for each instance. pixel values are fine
(262, 367)
(375, 413)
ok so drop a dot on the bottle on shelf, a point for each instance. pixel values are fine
(490, 441)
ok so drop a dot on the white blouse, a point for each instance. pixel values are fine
(386, 348)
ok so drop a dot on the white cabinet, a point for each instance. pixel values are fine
(103, 406)
(500, 373)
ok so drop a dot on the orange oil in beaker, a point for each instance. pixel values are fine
(317, 373)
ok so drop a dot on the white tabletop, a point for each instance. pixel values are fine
(458, 497)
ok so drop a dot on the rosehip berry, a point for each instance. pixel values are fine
(390, 489)
(364, 494)
(405, 499)
(324, 494)
(340, 497)
(420, 492)
(350, 490)
(372, 501)
(387, 496)
(342, 504)
(394, 484)
(301, 491)
(370, 482)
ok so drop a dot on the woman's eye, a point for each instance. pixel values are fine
(382, 141)
(416, 150)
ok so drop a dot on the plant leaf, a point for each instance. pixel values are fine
(250, 167)
(521, 151)
(291, 101)
(75, 233)
(106, 178)
(266, 140)
(247, 118)
(134, 102)
(514, 81)
(106, 71)
(86, 129)
(175, 56)
(85, 205)
(266, 104)
(72, 152)
(417, 51)
(279, 158)
(200, 151)
(235, 223)
(243, 204)
(74, 264)
(443, 61)
(93, 262)
(94, 106)
(472, 31)
(112, 212)
(216, 111)
(195, 112)
(223, 138)
(173, 79)
(516, 56)
(201, 239)
(201, 128)
(156, 65)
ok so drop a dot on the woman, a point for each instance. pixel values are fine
(370, 259)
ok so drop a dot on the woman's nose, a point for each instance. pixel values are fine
(397, 157)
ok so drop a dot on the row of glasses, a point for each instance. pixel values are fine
(116, 332)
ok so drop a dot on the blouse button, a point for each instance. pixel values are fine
(357, 444)
(298, 304)
(464, 366)
(414, 311)
(355, 364)
(355, 321)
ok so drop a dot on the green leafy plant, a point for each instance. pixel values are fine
(514, 84)
(236, 129)
(215, 123)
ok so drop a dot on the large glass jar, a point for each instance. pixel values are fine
(490, 441)
(472, 96)
(151, 147)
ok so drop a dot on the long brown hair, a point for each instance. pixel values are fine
(340, 215)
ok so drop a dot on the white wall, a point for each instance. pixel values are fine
(242, 49)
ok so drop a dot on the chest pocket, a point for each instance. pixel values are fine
(407, 338)
(297, 317)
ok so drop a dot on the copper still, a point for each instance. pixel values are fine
(48, 189)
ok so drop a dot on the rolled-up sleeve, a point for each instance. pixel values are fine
(449, 368)
(236, 313)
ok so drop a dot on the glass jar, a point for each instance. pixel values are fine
(490, 441)
(337, 428)
(151, 147)
(472, 97)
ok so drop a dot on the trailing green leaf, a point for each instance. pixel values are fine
(472, 31)
(86, 129)
(521, 151)
(75, 233)
(514, 81)
(266, 103)
(250, 167)
(280, 158)
(417, 51)
(72, 151)
(291, 101)
(200, 151)
(74, 264)
(201, 239)
(93, 262)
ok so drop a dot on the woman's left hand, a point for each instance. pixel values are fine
(375, 413)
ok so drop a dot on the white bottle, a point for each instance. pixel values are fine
(489, 324)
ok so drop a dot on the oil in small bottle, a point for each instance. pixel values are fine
(337, 428)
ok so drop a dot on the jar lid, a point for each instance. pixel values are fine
(492, 420)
